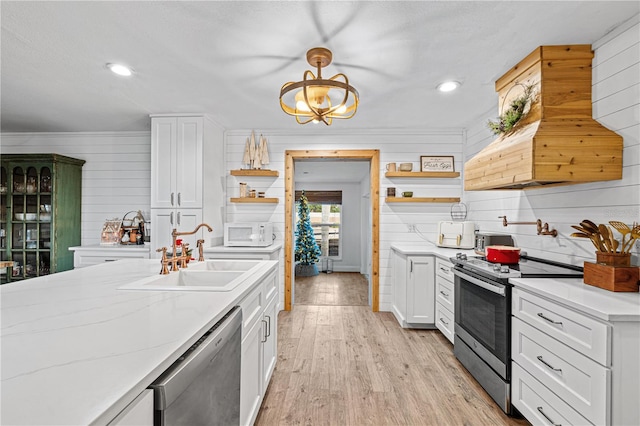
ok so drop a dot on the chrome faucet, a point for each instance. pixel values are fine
(174, 235)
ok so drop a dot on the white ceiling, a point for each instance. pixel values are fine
(230, 59)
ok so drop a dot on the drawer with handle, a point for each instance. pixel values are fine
(444, 293)
(444, 321)
(443, 269)
(579, 381)
(582, 333)
(538, 404)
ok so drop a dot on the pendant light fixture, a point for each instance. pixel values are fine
(315, 99)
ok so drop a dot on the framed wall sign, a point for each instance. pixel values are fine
(436, 164)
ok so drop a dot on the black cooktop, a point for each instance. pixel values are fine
(528, 267)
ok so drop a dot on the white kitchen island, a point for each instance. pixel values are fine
(77, 350)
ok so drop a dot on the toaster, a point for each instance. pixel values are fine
(456, 234)
(484, 239)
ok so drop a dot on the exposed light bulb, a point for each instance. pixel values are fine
(448, 86)
(341, 110)
(120, 69)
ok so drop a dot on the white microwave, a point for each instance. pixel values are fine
(248, 234)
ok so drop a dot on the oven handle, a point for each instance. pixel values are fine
(492, 288)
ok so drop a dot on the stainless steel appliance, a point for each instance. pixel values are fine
(483, 316)
(203, 386)
(484, 239)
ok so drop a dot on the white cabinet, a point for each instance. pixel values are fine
(187, 180)
(259, 345)
(92, 255)
(571, 368)
(164, 220)
(413, 290)
(445, 306)
(138, 413)
(176, 161)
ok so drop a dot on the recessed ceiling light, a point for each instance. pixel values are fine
(120, 69)
(448, 86)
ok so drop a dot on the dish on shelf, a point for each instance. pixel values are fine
(45, 217)
(46, 244)
(25, 216)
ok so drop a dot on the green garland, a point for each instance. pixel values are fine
(509, 118)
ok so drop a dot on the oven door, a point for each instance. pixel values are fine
(482, 318)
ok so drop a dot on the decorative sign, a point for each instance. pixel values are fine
(436, 164)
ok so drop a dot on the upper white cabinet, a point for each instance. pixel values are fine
(177, 162)
(187, 178)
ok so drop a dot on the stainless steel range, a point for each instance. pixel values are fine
(483, 316)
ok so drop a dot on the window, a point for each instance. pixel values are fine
(325, 212)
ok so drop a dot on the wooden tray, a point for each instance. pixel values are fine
(612, 278)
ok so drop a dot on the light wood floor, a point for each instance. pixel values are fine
(336, 289)
(346, 365)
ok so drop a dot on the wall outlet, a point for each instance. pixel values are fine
(411, 227)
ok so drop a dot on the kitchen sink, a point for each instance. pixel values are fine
(224, 265)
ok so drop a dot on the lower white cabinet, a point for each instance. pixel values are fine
(138, 413)
(259, 346)
(413, 290)
(570, 367)
(445, 301)
(93, 255)
(163, 222)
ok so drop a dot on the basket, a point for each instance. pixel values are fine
(459, 211)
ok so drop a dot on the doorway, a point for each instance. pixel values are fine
(373, 156)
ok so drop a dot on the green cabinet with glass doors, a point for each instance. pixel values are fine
(40, 199)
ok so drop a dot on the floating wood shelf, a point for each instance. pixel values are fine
(422, 199)
(248, 200)
(423, 174)
(254, 172)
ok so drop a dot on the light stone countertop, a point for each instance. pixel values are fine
(574, 293)
(76, 350)
(224, 249)
(428, 249)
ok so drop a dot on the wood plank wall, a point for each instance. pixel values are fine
(116, 177)
(395, 146)
(616, 105)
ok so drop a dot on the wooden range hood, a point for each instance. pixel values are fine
(557, 142)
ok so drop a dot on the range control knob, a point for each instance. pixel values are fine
(505, 269)
(496, 267)
(461, 256)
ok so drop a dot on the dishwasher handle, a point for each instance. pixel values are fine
(170, 385)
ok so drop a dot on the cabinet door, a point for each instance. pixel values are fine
(163, 162)
(270, 345)
(420, 290)
(399, 274)
(189, 162)
(251, 374)
(164, 220)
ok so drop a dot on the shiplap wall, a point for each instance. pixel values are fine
(116, 175)
(395, 146)
(616, 105)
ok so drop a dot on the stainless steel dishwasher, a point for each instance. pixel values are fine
(203, 386)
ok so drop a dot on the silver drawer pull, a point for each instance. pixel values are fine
(548, 365)
(444, 294)
(444, 322)
(547, 417)
(445, 269)
(541, 315)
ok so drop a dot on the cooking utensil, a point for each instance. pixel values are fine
(623, 229)
(593, 238)
(606, 240)
(502, 254)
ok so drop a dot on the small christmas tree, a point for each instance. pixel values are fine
(307, 251)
